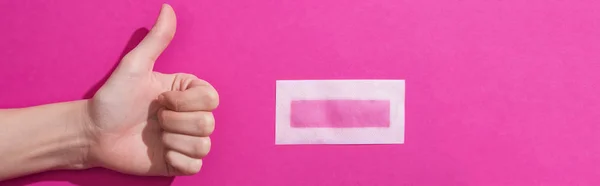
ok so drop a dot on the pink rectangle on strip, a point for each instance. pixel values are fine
(340, 113)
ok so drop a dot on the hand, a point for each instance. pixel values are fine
(148, 123)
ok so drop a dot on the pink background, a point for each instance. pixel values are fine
(498, 92)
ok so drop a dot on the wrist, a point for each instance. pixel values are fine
(79, 139)
(46, 137)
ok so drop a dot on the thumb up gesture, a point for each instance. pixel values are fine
(149, 123)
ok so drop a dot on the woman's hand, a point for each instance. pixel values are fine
(148, 123)
(139, 122)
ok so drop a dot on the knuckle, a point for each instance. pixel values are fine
(208, 124)
(183, 166)
(193, 167)
(163, 36)
(212, 98)
(202, 148)
(132, 61)
(201, 81)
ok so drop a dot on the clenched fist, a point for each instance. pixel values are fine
(147, 123)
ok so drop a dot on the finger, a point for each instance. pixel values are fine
(199, 97)
(143, 56)
(192, 146)
(197, 123)
(183, 165)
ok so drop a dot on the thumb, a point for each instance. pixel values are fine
(143, 56)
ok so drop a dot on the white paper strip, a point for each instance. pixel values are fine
(339, 112)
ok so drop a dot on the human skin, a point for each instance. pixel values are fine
(139, 122)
